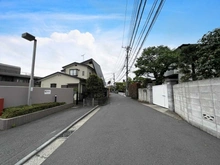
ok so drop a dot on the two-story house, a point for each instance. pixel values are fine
(73, 75)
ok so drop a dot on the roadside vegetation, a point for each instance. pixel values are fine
(193, 61)
(25, 109)
(95, 89)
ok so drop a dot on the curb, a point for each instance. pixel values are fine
(26, 158)
(23, 119)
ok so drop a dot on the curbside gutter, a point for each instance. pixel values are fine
(20, 120)
(26, 158)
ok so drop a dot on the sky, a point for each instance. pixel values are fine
(72, 31)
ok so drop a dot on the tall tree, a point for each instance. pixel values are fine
(156, 61)
(143, 81)
(95, 86)
(120, 86)
(209, 52)
(188, 61)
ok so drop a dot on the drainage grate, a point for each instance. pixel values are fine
(67, 133)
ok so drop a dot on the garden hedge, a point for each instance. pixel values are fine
(25, 109)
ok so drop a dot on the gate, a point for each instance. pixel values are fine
(160, 95)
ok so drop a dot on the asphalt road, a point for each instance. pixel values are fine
(18, 142)
(125, 132)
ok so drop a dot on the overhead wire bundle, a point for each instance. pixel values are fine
(137, 35)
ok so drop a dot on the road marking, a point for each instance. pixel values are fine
(53, 132)
(46, 152)
(83, 121)
(39, 155)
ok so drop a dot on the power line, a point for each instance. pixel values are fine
(120, 63)
(149, 29)
(132, 23)
(124, 22)
(133, 42)
(143, 31)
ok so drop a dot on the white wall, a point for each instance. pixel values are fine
(81, 68)
(58, 79)
(198, 103)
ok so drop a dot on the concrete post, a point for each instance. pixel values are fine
(149, 93)
(170, 84)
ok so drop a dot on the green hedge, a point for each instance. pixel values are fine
(25, 109)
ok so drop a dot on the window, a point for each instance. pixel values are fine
(74, 72)
(53, 85)
(83, 73)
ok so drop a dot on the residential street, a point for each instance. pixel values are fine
(125, 132)
(18, 142)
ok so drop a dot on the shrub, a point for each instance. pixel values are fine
(25, 109)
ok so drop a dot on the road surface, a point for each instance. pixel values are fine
(125, 132)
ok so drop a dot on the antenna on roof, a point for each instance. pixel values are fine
(83, 56)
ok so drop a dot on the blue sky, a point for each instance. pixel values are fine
(67, 29)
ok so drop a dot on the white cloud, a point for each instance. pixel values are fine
(60, 49)
(59, 16)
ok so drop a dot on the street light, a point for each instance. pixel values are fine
(30, 37)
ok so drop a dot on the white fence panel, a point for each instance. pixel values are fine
(160, 95)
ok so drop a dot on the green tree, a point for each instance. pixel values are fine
(95, 86)
(143, 81)
(188, 61)
(120, 86)
(156, 61)
(209, 52)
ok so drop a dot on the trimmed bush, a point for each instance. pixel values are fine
(25, 109)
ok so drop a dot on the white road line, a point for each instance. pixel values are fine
(52, 143)
(47, 151)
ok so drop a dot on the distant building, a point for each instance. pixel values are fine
(11, 76)
(73, 75)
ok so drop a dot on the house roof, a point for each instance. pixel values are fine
(96, 66)
(53, 74)
(185, 45)
(75, 63)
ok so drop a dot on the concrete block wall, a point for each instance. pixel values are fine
(142, 94)
(146, 94)
(198, 102)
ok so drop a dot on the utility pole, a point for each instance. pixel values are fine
(128, 48)
(114, 80)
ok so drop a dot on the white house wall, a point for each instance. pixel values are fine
(80, 68)
(59, 80)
